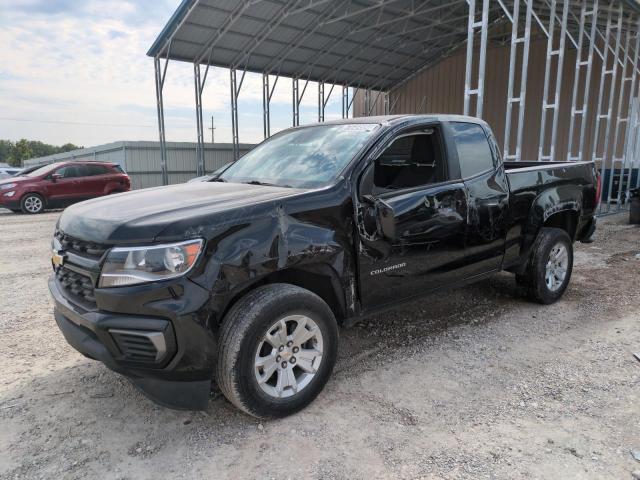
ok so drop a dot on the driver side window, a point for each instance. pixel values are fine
(411, 160)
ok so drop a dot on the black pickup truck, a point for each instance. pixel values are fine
(244, 279)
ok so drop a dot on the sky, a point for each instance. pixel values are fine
(77, 71)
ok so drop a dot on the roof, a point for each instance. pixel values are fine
(356, 43)
(397, 119)
(92, 162)
(360, 43)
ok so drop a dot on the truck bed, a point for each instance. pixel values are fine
(535, 165)
(524, 175)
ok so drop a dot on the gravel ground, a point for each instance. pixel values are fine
(474, 383)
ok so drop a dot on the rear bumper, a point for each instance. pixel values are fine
(169, 358)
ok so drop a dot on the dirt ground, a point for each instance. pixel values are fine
(474, 383)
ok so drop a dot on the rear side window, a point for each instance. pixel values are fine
(92, 170)
(473, 148)
(117, 168)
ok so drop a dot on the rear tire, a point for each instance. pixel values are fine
(32, 203)
(260, 338)
(549, 268)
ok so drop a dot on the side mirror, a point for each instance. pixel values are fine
(385, 216)
(55, 177)
(386, 219)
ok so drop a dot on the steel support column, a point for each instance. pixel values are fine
(266, 114)
(367, 102)
(159, 79)
(295, 102)
(345, 101)
(350, 102)
(632, 123)
(235, 91)
(613, 72)
(603, 74)
(483, 24)
(634, 146)
(321, 102)
(199, 122)
(580, 63)
(620, 120)
(515, 41)
(297, 99)
(546, 105)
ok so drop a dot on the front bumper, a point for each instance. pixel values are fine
(156, 335)
(11, 203)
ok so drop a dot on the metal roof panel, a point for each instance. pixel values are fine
(360, 43)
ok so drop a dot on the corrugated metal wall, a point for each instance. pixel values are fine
(443, 88)
(141, 160)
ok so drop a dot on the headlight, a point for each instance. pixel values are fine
(134, 265)
(6, 186)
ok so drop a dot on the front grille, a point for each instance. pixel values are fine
(80, 247)
(139, 346)
(78, 285)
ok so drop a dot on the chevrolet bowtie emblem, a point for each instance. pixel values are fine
(57, 259)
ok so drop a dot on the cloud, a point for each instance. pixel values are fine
(44, 7)
(114, 34)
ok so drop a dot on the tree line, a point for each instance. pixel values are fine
(14, 153)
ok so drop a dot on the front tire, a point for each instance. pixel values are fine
(32, 203)
(549, 269)
(278, 346)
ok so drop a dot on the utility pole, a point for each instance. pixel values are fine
(212, 128)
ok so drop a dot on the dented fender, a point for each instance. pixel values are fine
(266, 242)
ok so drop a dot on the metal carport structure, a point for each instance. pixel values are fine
(371, 48)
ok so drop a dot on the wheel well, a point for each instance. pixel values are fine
(33, 193)
(566, 220)
(320, 279)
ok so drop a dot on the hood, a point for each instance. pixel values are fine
(6, 180)
(164, 212)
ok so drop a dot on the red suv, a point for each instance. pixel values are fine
(60, 184)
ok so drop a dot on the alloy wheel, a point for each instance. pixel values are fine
(556, 269)
(33, 204)
(288, 356)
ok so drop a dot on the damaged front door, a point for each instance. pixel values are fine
(411, 220)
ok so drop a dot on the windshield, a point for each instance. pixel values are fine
(40, 171)
(307, 157)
